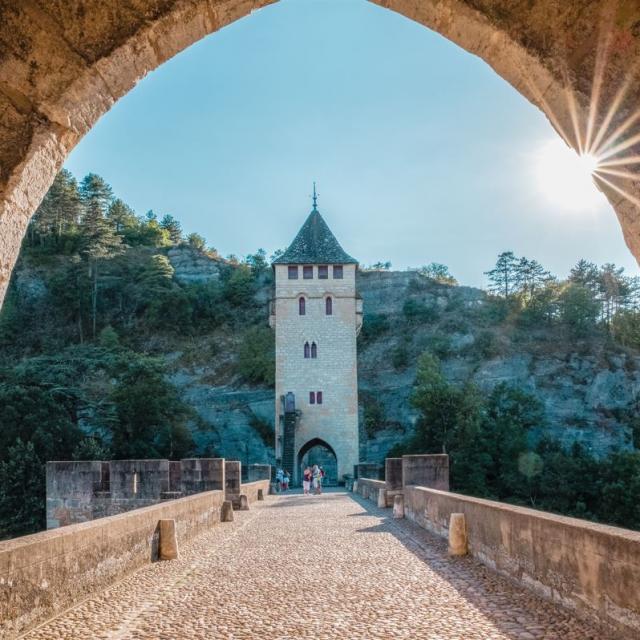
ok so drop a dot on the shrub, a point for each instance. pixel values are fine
(439, 345)
(256, 358)
(485, 346)
(374, 325)
(400, 357)
(264, 429)
(417, 311)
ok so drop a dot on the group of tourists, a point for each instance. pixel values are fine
(282, 480)
(312, 478)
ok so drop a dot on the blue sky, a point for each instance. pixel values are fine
(420, 151)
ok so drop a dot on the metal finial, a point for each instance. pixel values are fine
(315, 197)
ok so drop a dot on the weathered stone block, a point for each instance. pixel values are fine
(243, 502)
(457, 535)
(398, 506)
(168, 541)
(426, 471)
(393, 473)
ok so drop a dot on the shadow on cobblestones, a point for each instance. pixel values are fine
(330, 567)
(518, 613)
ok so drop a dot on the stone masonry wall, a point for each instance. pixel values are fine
(334, 371)
(589, 567)
(45, 573)
(80, 491)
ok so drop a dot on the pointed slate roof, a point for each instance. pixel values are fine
(315, 244)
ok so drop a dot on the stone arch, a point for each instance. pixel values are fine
(64, 64)
(307, 447)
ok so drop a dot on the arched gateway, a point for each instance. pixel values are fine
(319, 452)
(316, 314)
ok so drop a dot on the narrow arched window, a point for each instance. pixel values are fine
(307, 352)
(314, 350)
(328, 306)
(302, 307)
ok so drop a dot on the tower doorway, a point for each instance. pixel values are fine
(318, 452)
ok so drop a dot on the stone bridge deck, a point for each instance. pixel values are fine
(316, 567)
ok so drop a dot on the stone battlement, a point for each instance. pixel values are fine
(84, 490)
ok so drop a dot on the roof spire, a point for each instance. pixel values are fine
(315, 198)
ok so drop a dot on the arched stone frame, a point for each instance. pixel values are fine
(61, 69)
(329, 300)
(305, 448)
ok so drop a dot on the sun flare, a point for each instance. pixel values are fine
(565, 178)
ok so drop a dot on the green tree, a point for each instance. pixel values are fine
(121, 216)
(196, 241)
(22, 490)
(240, 286)
(586, 273)
(99, 238)
(530, 278)
(59, 211)
(257, 358)
(258, 262)
(437, 401)
(172, 227)
(151, 417)
(578, 309)
(510, 413)
(151, 233)
(503, 278)
(438, 272)
(625, 327)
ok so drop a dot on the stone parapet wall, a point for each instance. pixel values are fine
(250, 489)
(426, 470)
(80, 491)
(590, 568)
(371, 489)
(44, 573)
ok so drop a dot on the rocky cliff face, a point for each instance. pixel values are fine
(590, 389)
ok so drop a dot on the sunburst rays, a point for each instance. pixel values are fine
(606, 136)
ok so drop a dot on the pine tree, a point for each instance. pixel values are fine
(530, 277)
(60, 209)
(99, 238)
(121, 215)
(503, 278)
(174, 228)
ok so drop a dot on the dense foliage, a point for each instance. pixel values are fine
(498, 449)
(94, 307)
(77, 376)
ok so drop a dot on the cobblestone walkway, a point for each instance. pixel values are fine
(321, 568)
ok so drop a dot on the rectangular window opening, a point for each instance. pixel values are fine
(307, 273)
(312, 397)
(323, 272)
(318, 397)
(293, 273)
(337, 272)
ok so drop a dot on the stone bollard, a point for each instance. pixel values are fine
(398, 506)
(243, 503)
(354, 488)
(260, 494)
(273, 488)
(168, 544)
(365, 491)
(382, 498)
(226, 513)
(457, 535)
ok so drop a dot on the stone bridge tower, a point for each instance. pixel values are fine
(316, 314)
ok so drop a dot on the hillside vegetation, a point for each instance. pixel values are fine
(122, 338)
